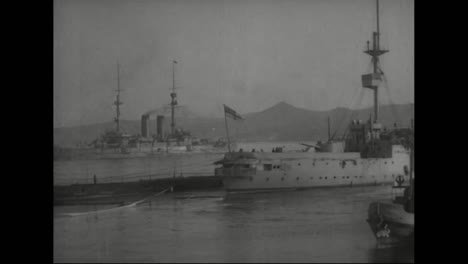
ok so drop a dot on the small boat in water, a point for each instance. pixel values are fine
(393, 222)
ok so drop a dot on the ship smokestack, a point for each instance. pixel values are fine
(144, 126)
(159, 126)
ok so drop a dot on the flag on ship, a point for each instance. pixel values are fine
(229, 112)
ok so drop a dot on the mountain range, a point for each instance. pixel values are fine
(281, 122)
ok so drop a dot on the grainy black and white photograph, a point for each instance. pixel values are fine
(233, 131)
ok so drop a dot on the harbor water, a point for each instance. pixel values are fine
(314, 225)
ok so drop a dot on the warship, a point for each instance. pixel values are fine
(369, 154)
(116, 142)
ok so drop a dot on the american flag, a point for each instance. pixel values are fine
(231, 113)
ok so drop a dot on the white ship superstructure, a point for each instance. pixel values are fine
(260, 170)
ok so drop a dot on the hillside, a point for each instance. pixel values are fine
(279, 122)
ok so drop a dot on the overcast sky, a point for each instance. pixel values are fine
(246, 54)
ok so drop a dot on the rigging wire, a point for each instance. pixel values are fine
(352, 111)
(353, 106)
(387, 89)
(349, 114)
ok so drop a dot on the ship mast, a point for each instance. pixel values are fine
(372, 81)
(117, 101)
(173, 98)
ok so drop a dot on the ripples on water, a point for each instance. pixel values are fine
(316, 225)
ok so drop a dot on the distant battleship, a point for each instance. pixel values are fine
(115, 142)
(369, 155)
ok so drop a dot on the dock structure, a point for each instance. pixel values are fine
(119, 192)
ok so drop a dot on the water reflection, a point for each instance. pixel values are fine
(322, 225)
(401, 253)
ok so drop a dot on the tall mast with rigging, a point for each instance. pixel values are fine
(173, 98)
(373, 80)
(117, 101)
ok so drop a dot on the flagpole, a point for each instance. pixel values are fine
(227, 130)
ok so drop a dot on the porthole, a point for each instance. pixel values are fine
(320, 178)
(334, 177)
(325, 178)
(326, 163)
(297, 178)
(299, 164)
(347, 177)
(355, 176)
(267, 179)
(251, 178)
(311, 178)
(282, 178)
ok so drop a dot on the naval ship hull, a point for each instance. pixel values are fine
(269, 171)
